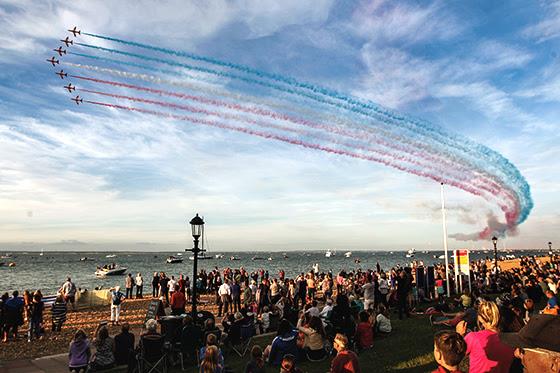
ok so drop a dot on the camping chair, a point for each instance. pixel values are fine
(189, 345)
(153, 354)
(246, 334)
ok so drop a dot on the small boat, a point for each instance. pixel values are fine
(110, 256)
(409, 255)
(85, 259)
(357, 261)
(179, 254)
(441, 256)
(102, 272)
(348, 254)
(219, 256)
(172, 260)
(12, 264)
(257, 258)
(201, 256)
(233, 258)
(329, 253)
(269, 259)
(42, 252)
(285, 256)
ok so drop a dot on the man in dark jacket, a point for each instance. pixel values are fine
(124, 345)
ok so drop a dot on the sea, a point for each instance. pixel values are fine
(48, 271)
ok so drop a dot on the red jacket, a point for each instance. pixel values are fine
(345, 362)
(178, 300)
(364, 335)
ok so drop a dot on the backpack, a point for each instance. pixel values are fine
(116, 298)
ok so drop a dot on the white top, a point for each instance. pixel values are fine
(171, 285)
(384, 323)
(369, 291)
(224, 289)
(138, 280)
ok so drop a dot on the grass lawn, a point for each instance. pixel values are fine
(409, 348)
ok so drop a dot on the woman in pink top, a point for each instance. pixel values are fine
(485, 350)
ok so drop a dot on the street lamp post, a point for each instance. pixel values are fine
(550, 252)
(495, 242)
(197, 227)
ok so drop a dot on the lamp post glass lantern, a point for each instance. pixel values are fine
(197, 228)
(550, 251)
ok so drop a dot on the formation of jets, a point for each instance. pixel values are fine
(60, 51)
(75, 31)
(68, 42)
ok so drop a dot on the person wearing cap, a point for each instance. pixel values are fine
(485, 350)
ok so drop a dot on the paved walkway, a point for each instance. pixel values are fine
(47, 364)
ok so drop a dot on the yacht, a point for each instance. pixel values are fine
(348, 254)
(233, 258)
(269, 259)
(256, 257)
(201, 256)
(42, 252)
(329, 253)
(110, 256)
(219, 256)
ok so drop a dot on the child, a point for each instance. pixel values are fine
(449, 351)
(264, 320)
(383, 323)
(289, 365)
(256, 365)
(364, 332)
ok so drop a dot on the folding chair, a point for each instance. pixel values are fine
(246, 334)
(153, 354)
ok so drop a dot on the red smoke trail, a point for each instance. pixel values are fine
(308, 145)
(493, 187)
(196, 110)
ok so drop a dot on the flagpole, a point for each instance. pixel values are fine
(445, 242)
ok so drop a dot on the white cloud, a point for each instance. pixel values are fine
(549, 27)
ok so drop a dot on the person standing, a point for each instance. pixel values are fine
(155, 285)
(236, 296)
(35, 317)
(163, 289)
(68, 290)
(124, 345)
(13, 316)
(58, 313)
(369, 293)
(116, 300)
(178, 302)
(139, 286)
(129, 284)
(403, 288)
(224, 293)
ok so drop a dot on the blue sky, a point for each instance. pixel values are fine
(484, 69)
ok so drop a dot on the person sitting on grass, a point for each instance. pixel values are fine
(288, 365)
(382, 321)
(283, 344)
(104, 357)
(79, 353)
(264, 320)
(124, 345)
(211, 340)
(58, 313)
(211, 362)
(256, 365)
(364, 332)
(345, 360)
(486, 352)
(552, 307)
(315, 338)
(449, 351)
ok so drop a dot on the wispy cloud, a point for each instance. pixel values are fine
(549, 27)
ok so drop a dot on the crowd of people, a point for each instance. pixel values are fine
(318, 315)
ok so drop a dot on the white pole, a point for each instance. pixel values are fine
(445, 242)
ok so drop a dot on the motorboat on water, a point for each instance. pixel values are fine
(348, 254)
(285, 256)
(85, 259)
(329, 253)
(172, 260)
(110, 256)
(256, 257)
(110, 271)
(219, 256)
(233, 258)
(269, 259)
